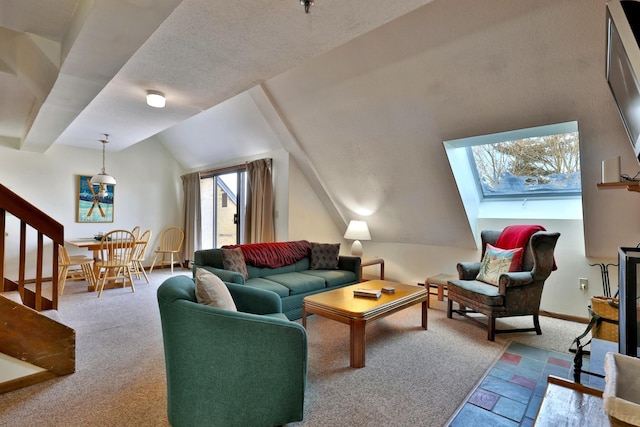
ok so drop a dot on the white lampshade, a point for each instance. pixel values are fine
(155, 99)
(357, 230)
(103, 178)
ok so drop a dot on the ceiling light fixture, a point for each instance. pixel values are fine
(156, 99)
(102, 179)
(308, 4)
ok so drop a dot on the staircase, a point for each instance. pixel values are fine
(27, 334)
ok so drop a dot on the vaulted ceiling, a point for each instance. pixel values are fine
(364, 92)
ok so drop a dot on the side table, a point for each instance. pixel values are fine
(439, 280)
(370, 262)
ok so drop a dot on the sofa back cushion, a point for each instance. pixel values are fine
(324, 256)
(233, 260)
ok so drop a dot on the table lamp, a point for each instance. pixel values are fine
(356, 231)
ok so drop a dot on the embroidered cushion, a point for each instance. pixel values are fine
(233, 259)
(211, 290)
(497, 261)
(324, 256)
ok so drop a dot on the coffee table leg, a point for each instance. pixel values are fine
(304, 317)
(357, 344)
(425, 319)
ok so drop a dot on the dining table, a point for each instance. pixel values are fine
(92, 244)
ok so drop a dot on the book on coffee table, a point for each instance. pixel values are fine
(369, 293)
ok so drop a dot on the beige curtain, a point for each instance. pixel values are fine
(259, 222)
(192, 215)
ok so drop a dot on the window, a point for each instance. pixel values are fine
(222, 197)
(528, 163)
(531, 173)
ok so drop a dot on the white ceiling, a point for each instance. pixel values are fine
(90, 74)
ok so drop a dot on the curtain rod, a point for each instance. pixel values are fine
(229, 168)
(223, 170)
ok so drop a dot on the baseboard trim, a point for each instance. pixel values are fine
(561, 316)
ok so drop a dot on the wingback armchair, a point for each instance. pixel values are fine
(228, 368)
(517, 293)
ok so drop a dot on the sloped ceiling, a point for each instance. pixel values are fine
(366, 93)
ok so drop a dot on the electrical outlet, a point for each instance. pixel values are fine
(584, 284)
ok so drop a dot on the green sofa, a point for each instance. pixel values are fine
(227, 368)
(291, 283)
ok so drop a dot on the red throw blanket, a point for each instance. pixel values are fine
(273, 254)
(517, 236)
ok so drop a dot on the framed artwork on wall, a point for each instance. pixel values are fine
(94, 205)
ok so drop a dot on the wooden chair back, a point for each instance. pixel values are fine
(171, 239)
(136, 232)
(117, 247)
(141, 246)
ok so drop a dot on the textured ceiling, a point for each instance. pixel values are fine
(198, 52)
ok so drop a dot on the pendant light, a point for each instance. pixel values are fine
(308, 4)
(102, 179)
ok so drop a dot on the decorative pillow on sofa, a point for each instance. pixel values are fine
(211, 290)
(324, 256)
(497, 261)
(233, 259)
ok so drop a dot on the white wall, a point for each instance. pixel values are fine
(148, 191)
(308, 219)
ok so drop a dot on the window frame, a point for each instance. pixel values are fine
(241, 171)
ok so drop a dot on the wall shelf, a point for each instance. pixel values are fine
(629, 185)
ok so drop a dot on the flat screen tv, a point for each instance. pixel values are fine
(623, 64)
(628, 274)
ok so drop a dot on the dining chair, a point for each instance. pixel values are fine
(136, 232)
(77, 267)
(116, 259)
(170, 245)
(139, 254)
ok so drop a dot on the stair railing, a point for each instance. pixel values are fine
(46, 227)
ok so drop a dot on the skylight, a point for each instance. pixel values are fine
(525, 173)
(537, 166)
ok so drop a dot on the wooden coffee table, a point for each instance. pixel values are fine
(341, 305)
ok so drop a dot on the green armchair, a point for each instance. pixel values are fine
(517, 294)
(226, 368)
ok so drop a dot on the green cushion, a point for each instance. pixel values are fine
(269, 285)
(333, 277)
(475, 290)
(298, 283)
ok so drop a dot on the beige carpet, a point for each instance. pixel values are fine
(412, 376)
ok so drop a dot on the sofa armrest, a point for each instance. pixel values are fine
(350, 263)
(468, 270)
(254, 300)
(513, 279)
(224, 275)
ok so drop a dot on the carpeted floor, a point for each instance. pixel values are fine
(412, 376)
